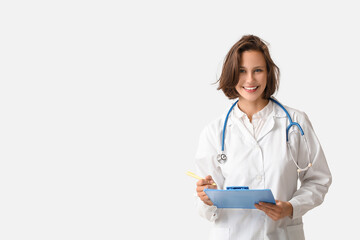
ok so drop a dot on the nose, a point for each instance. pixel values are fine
(250, 77)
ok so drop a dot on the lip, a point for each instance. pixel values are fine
(250, 89)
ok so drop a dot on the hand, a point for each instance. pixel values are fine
(201, 185)
(276, 211)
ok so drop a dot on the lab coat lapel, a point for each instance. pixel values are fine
(268, 126)
(244, 131)
(270, 121)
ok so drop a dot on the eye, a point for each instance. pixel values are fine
(241, 70)
(258, 70)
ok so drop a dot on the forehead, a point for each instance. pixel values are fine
(252, 58)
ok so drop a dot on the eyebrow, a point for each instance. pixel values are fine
(254, 67)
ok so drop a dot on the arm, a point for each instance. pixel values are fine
(206, 164)
(316, 181)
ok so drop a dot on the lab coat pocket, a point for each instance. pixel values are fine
(296, 232)
(220, 234)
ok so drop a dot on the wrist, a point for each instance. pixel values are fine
(290, 209)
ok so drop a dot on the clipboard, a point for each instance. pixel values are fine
(239, 197)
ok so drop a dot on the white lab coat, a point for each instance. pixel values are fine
(261, 164)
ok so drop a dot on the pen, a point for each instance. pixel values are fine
(195, 176)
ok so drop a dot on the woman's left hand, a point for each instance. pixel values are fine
(276, 211)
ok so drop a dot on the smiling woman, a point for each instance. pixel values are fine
(252, 80)
(258, 153)
(260, 61)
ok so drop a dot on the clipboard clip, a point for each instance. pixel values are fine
(237, 188)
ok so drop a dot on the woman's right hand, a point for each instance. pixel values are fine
(201, 185)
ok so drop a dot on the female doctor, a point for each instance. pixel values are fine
(257, 151)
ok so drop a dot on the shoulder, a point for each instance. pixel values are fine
(214, 127)
(210, 136)
(296, 115)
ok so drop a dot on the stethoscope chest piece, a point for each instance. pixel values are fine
(221, 158)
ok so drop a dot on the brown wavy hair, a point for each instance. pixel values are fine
(230, 71)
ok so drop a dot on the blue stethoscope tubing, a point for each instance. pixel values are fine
(222, 156)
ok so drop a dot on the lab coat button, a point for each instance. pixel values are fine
(259, 177)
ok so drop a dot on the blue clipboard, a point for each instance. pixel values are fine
(239, 197)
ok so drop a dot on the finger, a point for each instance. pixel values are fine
(201, 182)
(212, 186)
(208, 202)
(261, 208)
(268, 205)
(202, 195)
(204, 182)
(273, 216)
(270, 213)
(205, 198)
(200, 187)
(264, 208)
(209, 179)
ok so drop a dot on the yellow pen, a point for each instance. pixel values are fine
(195, 176)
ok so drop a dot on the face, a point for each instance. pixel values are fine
(253, 76)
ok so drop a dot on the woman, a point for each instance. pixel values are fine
(260, 153)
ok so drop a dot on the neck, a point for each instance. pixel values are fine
(251, 107)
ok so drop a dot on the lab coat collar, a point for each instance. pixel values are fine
(268, 126)
(237, 113)
(265, 112)
(278, 112)
(270, 122)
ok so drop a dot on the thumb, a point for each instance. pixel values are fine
(209, 179)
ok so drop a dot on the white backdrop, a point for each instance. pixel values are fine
(102, 104)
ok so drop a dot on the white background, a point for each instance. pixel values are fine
(102, 104)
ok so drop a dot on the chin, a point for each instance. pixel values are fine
(252, 98)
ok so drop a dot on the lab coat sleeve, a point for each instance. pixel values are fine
(316, 181)
(206, 164)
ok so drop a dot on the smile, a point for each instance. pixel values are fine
(251, 89)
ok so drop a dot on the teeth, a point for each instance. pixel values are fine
(250, 88)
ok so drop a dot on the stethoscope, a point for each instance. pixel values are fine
(222, 158)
